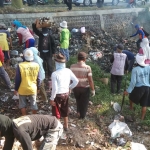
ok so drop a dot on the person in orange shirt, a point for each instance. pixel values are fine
(3, 73)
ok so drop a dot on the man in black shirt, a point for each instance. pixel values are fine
(30, 128)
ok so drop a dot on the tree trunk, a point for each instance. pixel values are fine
(1, 3)
(17, 3)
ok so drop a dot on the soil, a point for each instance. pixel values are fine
(89, 134)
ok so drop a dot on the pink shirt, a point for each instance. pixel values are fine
(26, 35)
(147, 61)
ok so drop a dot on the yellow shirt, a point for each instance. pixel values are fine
(3, 42)
(29, 73)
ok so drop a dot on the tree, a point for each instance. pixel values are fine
(17, 3)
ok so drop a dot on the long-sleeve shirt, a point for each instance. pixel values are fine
(140, 32)
(129, 54)
(140, 76)
(6, 130)
(61, 81)
(18, 79)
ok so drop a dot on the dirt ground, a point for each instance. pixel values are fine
(89, 134)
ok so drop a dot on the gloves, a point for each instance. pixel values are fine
(93, 93)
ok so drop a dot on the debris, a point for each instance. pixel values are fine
(15, 97)
(91, 103)
(118, 128)
(137, 146)
(116, 107)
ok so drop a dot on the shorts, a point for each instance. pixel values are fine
(140, 95)
(6, 55)
(61, 108)
(23, 101)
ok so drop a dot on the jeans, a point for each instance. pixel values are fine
(5, 77)
(65, 52)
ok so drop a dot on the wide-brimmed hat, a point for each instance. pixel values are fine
(63, 24)
(60, 58)
(140, 59)
(28, 54)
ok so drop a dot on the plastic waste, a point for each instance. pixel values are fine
(117, 128)
(117, 107)
(74, 30)
(137, 146)
(82, 29)
(4, 97)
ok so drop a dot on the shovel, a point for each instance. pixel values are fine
(123, 93)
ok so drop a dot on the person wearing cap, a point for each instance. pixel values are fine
(61, 79)
(64, 40)
(38, 60)
(139, 88)
(46, 47)
(30, 128)
(82, 91)
(27, 82)
(145, 50)
(140, 33)
(3, 73)
(5, 42)
(25, 35)
(119, 66)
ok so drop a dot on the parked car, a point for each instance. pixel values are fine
(99, 3)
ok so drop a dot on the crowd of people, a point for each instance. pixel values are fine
(38, 64)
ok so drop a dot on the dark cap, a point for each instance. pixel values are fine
(82, 55)
(120, 46)
(60, 58)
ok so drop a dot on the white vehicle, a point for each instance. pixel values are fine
(99, 3)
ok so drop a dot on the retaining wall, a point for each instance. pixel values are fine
(115, 21)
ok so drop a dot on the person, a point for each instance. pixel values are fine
(64, 40)
(120, 64)
(5, 45)
(46, 47)
(82, 91)
(69, 4)
(131, 59)
(27, 82)
(141, 35)
(30, 128)
(25, 35)
(60, 88)
(139, 85)
(38, 60)
(145, 50)
(3, 73)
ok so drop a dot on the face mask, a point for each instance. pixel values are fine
(45, 34)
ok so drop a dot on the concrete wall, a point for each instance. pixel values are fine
(115, 21)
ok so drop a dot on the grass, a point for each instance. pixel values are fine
(104, 97)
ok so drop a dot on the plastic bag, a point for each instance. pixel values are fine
(137, 146)
(117, 128)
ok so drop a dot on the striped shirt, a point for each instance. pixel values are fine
(82, 71)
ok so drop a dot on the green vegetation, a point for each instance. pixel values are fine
(104, 97)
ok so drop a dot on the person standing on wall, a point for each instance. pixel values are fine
(69, 4)
(4, 44)
(27, 82)
(46, 47)
(64, 40)
(82, 91)
(25, 35)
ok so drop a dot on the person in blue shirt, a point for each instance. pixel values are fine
(139, 88)
(131, 59)
(140, 33)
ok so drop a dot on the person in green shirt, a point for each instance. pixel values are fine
(64, 40)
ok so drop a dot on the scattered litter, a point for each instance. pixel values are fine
(116, 107)
(4, 97)
(121, 141)
(63, 136)
(91, 103)
(15, 97)
(118, 128)
(137, 146)
(73, 125)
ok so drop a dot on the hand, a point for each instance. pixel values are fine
(52, 103)
(16, 93)
(93, 93)
(125, 93)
